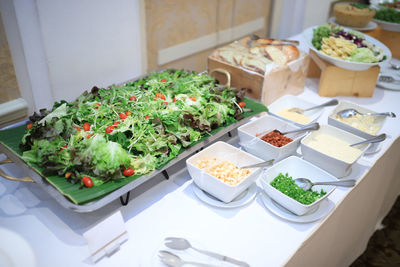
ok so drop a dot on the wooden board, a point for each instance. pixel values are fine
(335, 81)
(390, 39)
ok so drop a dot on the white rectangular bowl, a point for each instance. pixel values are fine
(291, 101)
(251, 132)
(347, 127)
(337, 167)
(213, 185)
(296, 168)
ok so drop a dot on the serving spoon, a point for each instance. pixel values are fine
(182, 244)
(311, 127)
(306, 184)
(375, 139)
(332, 102)
(350, 112)
(174, 260)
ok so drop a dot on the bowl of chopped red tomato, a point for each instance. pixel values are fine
(262, 137)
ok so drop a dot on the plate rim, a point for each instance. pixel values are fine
(248, 197)
(328, 207)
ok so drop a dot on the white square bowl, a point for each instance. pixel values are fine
(337, 167)
(332, 120)
(250, 138)
(291, 101)
(296, 168)
(213, 185)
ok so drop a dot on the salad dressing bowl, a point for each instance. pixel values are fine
(251, 132)
(345, 64)
(296, 167)
(214, 186)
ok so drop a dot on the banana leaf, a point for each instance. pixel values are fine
(11, 138)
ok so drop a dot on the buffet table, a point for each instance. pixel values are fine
(52, 235)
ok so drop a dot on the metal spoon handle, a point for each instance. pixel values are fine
(311, 127)
(262, 164)
(387, 114)
(332, 102)
(345, 183)
(375, 139)
(222, 257)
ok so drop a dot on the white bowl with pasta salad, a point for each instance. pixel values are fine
(346, 48)
(216, 170)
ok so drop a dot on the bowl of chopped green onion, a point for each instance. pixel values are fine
(278, 183)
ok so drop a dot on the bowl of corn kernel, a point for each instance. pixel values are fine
(216, 170)
(346, 48)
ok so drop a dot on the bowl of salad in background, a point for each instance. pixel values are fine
(346, 48)
(388, 19)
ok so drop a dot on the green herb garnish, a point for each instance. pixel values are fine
(360, 6)
(388, 14)
(286, 185)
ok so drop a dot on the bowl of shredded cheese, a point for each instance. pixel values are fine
(216, 170)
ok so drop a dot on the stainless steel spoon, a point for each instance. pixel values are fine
(394, 66)
(350, 112)
(388, 79)
(174, 260)
(311, 127)
(375, 139)
(332, 102)
(182, 244)
(306, 184)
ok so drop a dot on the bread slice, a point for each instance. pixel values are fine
(276, 54)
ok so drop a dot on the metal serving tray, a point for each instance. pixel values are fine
(34, 176)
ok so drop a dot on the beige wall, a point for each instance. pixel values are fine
(169, 23)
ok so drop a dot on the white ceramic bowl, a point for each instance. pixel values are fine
(332, 120)
(388, 26)
(296, 168)
(250, 138)
(213, 185)
(337, 167)
(291, 101)
(357, 66)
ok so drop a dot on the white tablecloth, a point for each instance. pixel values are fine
(250, 233)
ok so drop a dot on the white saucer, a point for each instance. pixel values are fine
(370, 26)
(15, 250)
(323, 209)
(241, 200)
(387, 70)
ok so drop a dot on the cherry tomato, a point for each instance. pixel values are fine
(86, 126)
(163, 80)
(174, 100)
(122, 116)
(68, 174)
(109, 129)
(192, 98)
(87, 181)
(147, 117)
(116, 123)
(88, 136)
(165, 103)
(29, 126)
(78, 129)
(97, 105)
(128, 113)
(133, 98)
(128, 172)
(160, 95)
(241, 104)
(64, 147)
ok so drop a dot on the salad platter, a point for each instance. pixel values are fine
(346, 48)
(89, 152)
